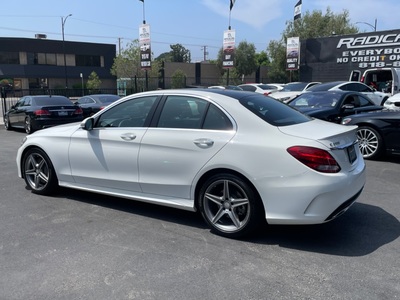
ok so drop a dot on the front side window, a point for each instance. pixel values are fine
(130, 113)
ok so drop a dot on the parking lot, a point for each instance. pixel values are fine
(78, 245)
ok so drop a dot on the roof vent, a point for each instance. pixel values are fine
(40, 36)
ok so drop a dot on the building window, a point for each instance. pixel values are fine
(42, 59)
(87, 60)
(9, 58)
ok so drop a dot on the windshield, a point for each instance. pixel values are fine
(312, 99)
(294, 87)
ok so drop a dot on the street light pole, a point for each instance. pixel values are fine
(372, 26)
(63, 20)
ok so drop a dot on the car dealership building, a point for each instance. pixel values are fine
(41, 63)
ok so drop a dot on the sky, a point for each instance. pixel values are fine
(196, 24)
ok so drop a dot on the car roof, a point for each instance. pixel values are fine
(327, 85)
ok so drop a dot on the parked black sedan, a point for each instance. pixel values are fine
(333, 106)
(91, 104)
(36, 112)
(378, 132)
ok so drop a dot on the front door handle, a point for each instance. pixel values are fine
(128, 136)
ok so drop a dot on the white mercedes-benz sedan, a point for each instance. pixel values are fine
(240, 158)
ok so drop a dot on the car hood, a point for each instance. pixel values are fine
(330, 134)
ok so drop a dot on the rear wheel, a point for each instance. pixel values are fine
(230, 206)
(370, 142)
(7, 124)
(38, 172)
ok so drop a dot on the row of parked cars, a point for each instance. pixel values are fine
(343, 102)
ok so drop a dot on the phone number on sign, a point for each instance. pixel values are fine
(379, 64)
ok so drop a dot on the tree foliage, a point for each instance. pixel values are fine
(178, 79)
(127, 63)
(245, 62)
(94, 82)
(180, 53)
(314, 24)
(245, 58)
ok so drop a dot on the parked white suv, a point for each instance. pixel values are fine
(386, 80)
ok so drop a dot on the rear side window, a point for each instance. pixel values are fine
(273, 111)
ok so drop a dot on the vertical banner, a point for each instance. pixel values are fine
(292, 53)
(297, 10)
(228, 49)
(144, 46)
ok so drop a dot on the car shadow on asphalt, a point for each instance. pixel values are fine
(360, 231)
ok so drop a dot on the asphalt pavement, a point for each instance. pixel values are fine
(78, 245)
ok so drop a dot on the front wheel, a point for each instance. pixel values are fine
(28, 125)
(38, 172)
(370, 142)
(230, 206)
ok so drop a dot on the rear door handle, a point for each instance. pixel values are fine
(204, 143)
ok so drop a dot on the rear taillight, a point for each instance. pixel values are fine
(42, 112)
(78, 111)
(314, 158)
(362, 79)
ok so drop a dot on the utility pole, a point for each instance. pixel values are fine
(205, 53)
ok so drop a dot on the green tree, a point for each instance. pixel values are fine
(180, 53)
(166, 56)
(245, 58)
(178, 79)
(127, 63)
(262, 58)
(245, 63)
(94, 82)
(312, 25)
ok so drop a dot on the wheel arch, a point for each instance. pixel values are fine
(23, 154)
(212, 172)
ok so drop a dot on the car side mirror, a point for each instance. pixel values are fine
(87, 124)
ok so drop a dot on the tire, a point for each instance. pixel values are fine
(38, 172)
(370, 142)
(7, 124)
(28, 125)
(230, 206)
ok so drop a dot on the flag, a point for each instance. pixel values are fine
(232, 3)
(141, 1)
(297, 10)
